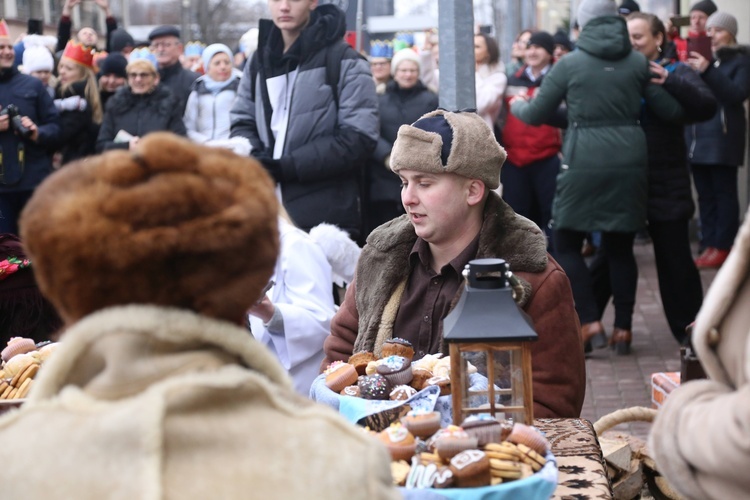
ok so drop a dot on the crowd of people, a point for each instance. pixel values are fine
(359, 180)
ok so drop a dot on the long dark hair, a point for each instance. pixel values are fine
(493, 50)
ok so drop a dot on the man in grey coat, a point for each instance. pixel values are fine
(167, 47)
(308, 106)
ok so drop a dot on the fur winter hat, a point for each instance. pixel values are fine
(590, 9)
(443, 142)
(170, 223)
(723, 20)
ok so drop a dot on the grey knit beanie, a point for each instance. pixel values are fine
(443, 142)
(723, 20)
(589, 9)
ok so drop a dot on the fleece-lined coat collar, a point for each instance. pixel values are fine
(382, 274)
(154, 403)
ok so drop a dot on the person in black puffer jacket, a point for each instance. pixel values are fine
(404, 101)
(670, 201)
(141, 107)
(716, 147)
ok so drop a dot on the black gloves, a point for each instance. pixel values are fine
(272, 166)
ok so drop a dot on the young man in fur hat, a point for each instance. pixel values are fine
(409, 274)
(314, 136)
(157, 389)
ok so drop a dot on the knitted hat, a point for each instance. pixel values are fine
(213, 49)
(628, 7)
(171, 223)
(561, 38)
(590, 9)
(120, 39)
(723, 20)
(37, 59)
(114, 64)
(705, 6)
(544, 40)
(442, 142)
(401, 56)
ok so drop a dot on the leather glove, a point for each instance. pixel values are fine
(273, 167)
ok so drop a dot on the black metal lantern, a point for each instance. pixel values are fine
(490, 331)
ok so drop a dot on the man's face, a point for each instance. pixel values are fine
(167, 50)
(111, 82)
(536, 57)
(7, 56)
(437, 204)
(291, 15)
(88, 36)
(698, 21)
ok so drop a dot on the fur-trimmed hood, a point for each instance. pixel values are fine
(731, 51)
(157, 403)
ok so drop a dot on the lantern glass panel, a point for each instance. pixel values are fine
(503, 365)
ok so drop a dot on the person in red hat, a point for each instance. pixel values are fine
(78, 101)
(28, 130)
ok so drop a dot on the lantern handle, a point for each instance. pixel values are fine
(515, 283)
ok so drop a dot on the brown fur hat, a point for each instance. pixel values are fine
(443, 142)
(170, 223)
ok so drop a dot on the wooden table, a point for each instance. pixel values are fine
(582, 470)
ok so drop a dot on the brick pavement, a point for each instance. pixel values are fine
(614, 382)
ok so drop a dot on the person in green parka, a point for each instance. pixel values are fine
(602, 185)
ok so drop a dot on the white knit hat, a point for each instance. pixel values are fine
(37, 59)
(723, 20)
(404, 55)
(590, 9)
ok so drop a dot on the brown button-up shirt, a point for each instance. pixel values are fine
(428, 297)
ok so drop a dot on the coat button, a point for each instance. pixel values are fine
(713, 337)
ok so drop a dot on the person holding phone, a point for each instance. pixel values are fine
(697, 18)
(716, 147)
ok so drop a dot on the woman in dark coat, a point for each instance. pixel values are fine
(404, 101)
(141, 107)
(602, 185)
(670, 200)
(77, 99)
(716, 147)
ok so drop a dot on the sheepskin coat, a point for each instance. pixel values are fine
(365, 319)
(143, 402)
(700, 436)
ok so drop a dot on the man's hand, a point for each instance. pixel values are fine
(133, 142)
(263, 309)
(659, 74)
(4, 123)
(104, 5)
(29, 124)
(68, 6)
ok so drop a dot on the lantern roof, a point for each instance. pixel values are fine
(486, 311)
